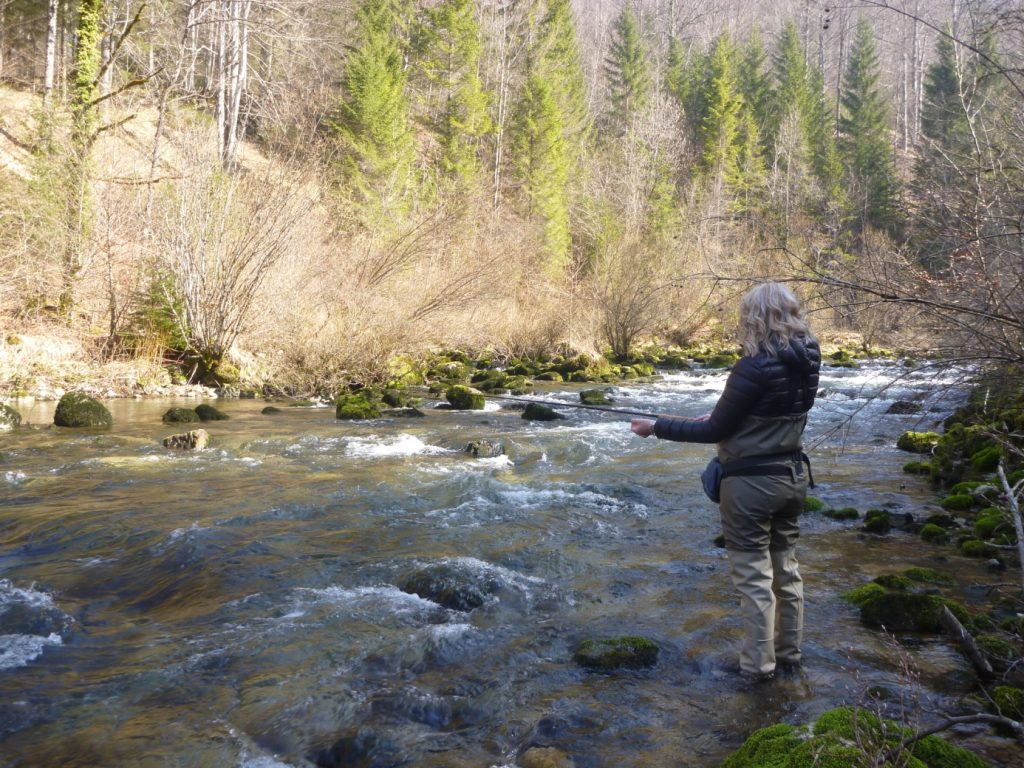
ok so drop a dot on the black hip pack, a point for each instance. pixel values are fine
(713, 474)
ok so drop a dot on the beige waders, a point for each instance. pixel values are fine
(760, 517)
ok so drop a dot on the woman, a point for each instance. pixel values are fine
(758, 424)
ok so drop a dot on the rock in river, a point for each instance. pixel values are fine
(452, 586)
(195, 440)
(78, 410)
(9, 418)
(628, 652)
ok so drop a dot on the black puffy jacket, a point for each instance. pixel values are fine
(763, 385)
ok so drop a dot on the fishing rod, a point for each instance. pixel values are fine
(556, 404)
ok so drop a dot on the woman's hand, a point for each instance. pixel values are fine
(642, 427)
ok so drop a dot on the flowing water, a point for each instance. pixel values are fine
(239, 606)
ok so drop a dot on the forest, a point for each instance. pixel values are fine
(311, 189)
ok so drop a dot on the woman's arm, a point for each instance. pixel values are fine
(743, 389)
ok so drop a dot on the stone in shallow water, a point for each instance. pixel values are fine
(9, 418)
(209, 413)
(538, 412)
(629, 652)
(544, 757)
(485, 449)
(78, 410)
(180, 415)
(452, 586)
(195, 440)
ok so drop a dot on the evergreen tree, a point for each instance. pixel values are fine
(372, 118)
(791, 77)
(819, 127)
(947, 99)
(450, 41)
(866, 146)
(556, 58)
(748, 177)
(720, 129)
(754, 81)
(542, 166)
(627, 71)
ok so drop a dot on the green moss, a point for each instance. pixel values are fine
(917, 468)
(722, 360)
(935, 752)
(549, 376)
(988, 525)
(207, 412)
(917, 442)
(894, 581)
(998, 649)
(987, 459)
(463, 398)
(78, 410)
(1009, 702)
(226, 373)
(629, 652)
(934, 534)
(767, 748)
(538, 412)
(845, 513)
(864, 593)
(356, 406)
(1014, 625)
(1015, 477)
(9, 418)
(903, 612)
(975, 548)
(965, 487)
(877, 521)
(595, 397)
(180, 416)
(813, 504)
(958, 503)
(928, 576)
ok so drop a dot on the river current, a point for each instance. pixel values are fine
(239, 606)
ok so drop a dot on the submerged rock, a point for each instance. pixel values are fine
(544, 757)
(452, 586)
(270, 410)
(404, 413)
(207, 412)
(538, 412)
(195, 440)
(9, 418)
(844, 513)
(595, 397)
(180, 416)
(364, 748)
(485, 449)
(904, 408)
(78, 410)
(628, 652)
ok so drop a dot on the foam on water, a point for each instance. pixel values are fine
(401, 445)
(10, 594)
(15, 478)
(18, 650)
(390, 596)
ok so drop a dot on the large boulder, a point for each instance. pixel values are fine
(195, 440)
(463, 398)
(538, 412)
(207, 412)
(180, 416)
(79, 410)
(9, 418)
(357, 406)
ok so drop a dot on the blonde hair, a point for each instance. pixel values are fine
(769, 316)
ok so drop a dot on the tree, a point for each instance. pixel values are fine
(372, 119)
(627, 72)
(791, 76)
(754, 80)
(720, 130)
(542, 166)
(458, 112)
(556, 58)
(865, 141)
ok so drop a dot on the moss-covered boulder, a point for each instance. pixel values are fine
(270, 410)
(934, 534)
(629, 652)
(1000, 652)
(900, 611)
(917, 468)
(549, 376)
(538, 412)
(179, 416)
(357, 406)
(991, 524)
(453, 585)
(843, 513)
(986, 460)
(917, 442)
(79, 410)
(846, 737)
(877, 521)
(929, 576)
(976, 548)
(463, 398)
(207, 412)
(9, 418)
(596, 397)
(959, 503)
(894, 581)
(862, 594)
(722, 360)
(813, 504)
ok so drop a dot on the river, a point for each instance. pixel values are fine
(238, 606)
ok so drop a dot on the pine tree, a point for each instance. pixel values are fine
(747, 181)
(556, 58)
(866, 146)
(943, 119)
(820, 134)
(720, 130)
(372, 119)
(791, 76)
(754, 81)
(626, 68)
(450, 41)
(542, 166)
(674, 79)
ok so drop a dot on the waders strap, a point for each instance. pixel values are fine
(753, 466)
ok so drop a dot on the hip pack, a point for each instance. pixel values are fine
(712, 475)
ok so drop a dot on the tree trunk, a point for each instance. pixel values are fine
(232, 74)
(51, 52)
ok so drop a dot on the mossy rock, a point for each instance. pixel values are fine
(965, 487)
(864, 593)
(722, 360)
(270, 410)
(1014, 625)
(452, 585)
(207, 412)
(538, 412)
(986, 460)
(356, 407)
(929, 576)
(844, 513)
(958, 503)
(226, 373)
(877, 521)
(917, 442)
(998, 650)
(180, 416)
(629, 652)
(934, 534)
(395, 398)
(903, 612)
(9, 418)
(987, 526)
(976, 548)
(404, 371)
(549, 376)
(643, 370)
(813, 504)
(894, 581)
(463, 398)
(1008, 702)
(943, 521)
(595, 397)
(79, 410)
(918, 468)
